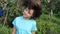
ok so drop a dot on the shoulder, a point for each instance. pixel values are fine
(19, 17)
(33, 21)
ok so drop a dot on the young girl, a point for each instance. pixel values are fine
(26, 23)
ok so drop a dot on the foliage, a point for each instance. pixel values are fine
(5, 29)
(45, 25)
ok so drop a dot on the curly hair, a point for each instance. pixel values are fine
(35, 5)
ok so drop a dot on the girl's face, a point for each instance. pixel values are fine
(28, 13)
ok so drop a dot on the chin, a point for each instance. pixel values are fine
(25, 16)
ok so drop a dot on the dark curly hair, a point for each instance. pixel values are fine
(35, 5)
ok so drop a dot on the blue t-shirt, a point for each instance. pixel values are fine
(24, 26)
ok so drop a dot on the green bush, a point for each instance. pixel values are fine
(47, 27)
(5, 30)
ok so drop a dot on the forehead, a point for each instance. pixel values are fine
(29, 8)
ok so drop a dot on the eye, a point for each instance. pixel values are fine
(27, 10)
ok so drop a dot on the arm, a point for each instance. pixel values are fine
(33, 32)
(14, 30)
(34, 28)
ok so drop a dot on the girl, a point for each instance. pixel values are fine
(26, 24)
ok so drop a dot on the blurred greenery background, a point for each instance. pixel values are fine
(48, 23)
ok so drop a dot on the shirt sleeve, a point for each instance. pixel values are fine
(14, 22)
(34, 28)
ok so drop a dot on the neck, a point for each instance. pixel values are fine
(26, 18)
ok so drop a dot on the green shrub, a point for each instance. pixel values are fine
(5, 30)
(46, 26)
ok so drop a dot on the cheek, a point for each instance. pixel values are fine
(31, 12)
(28, 13)
(25, 13)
